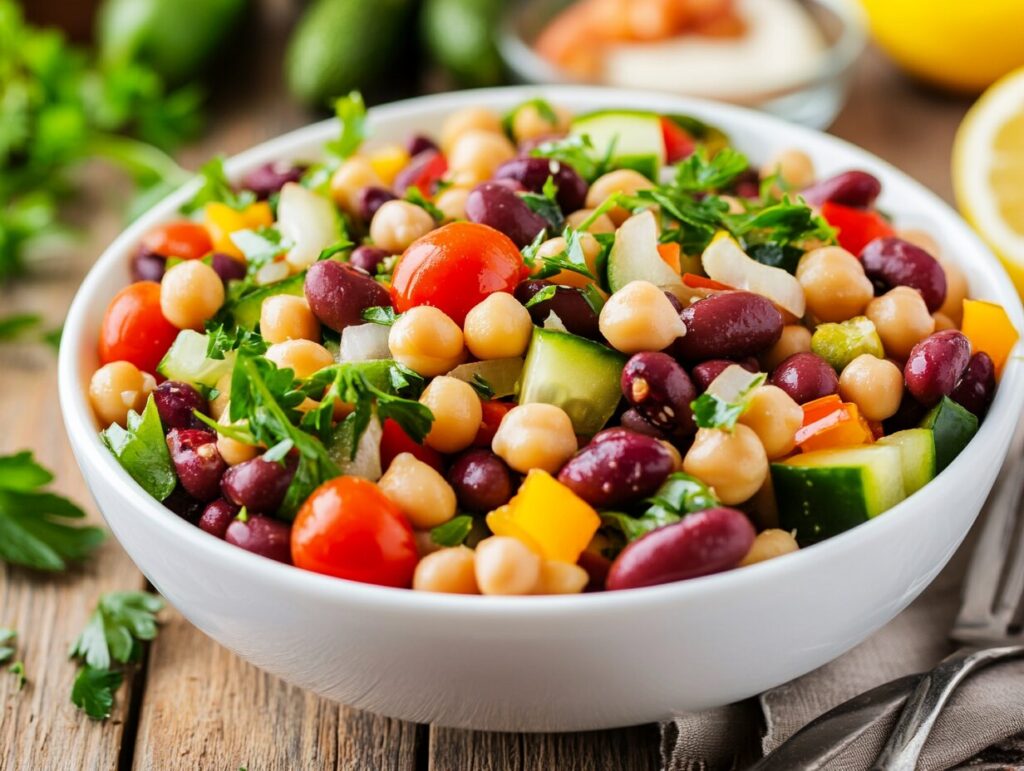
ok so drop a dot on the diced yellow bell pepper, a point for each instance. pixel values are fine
(548, 517)
(387, 161)
(258, 215)
(989, 329)
(222, 220)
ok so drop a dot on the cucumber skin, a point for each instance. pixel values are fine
(647, 163)
(803, 503)
(953, 427)
(246, 312)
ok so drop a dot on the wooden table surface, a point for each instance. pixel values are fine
(194, 705)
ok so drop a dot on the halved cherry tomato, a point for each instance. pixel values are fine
(395, 441)
(134, 328)
(349, 528)
(455, 267)
(182, 239)
(857, 227)
(694, 281)
(493, 412)
(678, 143)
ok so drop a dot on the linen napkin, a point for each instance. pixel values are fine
(981, 727)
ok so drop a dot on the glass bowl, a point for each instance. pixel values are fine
(812, 100)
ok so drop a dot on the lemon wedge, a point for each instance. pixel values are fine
(988, 171)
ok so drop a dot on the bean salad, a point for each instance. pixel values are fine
(539, 353)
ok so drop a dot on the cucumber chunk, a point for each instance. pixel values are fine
(186, 361)
(917, 455)
(820, 494)
(578, 375)
(953, 427)
(630, 139)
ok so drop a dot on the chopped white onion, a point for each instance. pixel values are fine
(365, 342)
(726, 262)
(307, 220)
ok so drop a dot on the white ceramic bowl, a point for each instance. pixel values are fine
(552, 663)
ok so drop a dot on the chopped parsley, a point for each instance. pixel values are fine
(453, 532)
(142, 451)
(216, 188)
(679, 495)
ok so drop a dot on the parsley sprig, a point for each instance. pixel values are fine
(7, 650)
(679, 495)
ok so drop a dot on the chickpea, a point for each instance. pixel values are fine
(190, 293)
(303, 356)
(555, 246)
(535, 436)
(956, 291)
(942, 321)
(219, 404)
(465, 120)
(770, 544)
(834, 284)
(733, 463)
(902, 320)
(452, 203)
(639, 317)
(451, 571)
(231, 450)
(476, 155)
(775, 418)
(561, 578)
(117, 387)
(419, 491)
(397, 224)
(505, 565)
(351, 177)
(601, 224)
(796, 338)
(529, 122)
(794, 167)
(625, 181)
(874, 385)
(922, 239)
(457, 413)
(287, 317)
(499, 327)
(426, 340)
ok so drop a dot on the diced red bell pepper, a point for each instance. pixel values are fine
(424, 171)
(395, 441)
(694, 281)
(857, 227)
(493, 412)
(678, 142)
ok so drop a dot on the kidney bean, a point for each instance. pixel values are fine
(495, 205)
(338, 293)
(705, 372)
(747, 184)
(147, 265)
(258, 484)
(262, 535)
(533, 173)
(417, 143)
(805, 377)
(661, 391)
(619, 467)
(706, 542)
(728, 325)
(891, 262)
(175, 403)
(217, 516)
(568, 303)
(936, 364)
(481, 480)
(371, 198)
(196, 461)
(849, 188)
(977, 385)
(597, 567)
(425, 168)
(183, 504)
(269, 178)
(227, 267)
(633, 421)
(367, 258)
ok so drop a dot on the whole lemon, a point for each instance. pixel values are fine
(962, 45)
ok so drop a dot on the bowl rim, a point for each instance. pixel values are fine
(84, 436)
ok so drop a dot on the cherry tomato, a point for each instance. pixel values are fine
(183, 239)
(455, 267)
(395, 441)
(134, 328)
(348, 528)
(857, 227)
(493, 412)
(678, 143)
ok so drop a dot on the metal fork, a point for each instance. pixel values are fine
(989, 625)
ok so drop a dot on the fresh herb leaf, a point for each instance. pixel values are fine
(544, 110)
(7, 636)
(573, 258)
(17, 324)
(783, 222)
(351, 113)
(380, 314)
(576, 151)
(529, 251)
(543, 295)
(712, 411)
(18, 670)
(481, 386)
(776, 255)
(93, 691)
(700, 174)
(31, 531)
(142, 451)
(679, 495)
(342, 246)
(120, 621)
(259, 247)
(415, 196)
(594, 298)
(546, 208)
(216, 188)
(453, 532)
(221, 340)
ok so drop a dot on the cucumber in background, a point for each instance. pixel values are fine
(460, 35)
(344, 45)
(174, 37)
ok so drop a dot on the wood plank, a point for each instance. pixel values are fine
(626, 749)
